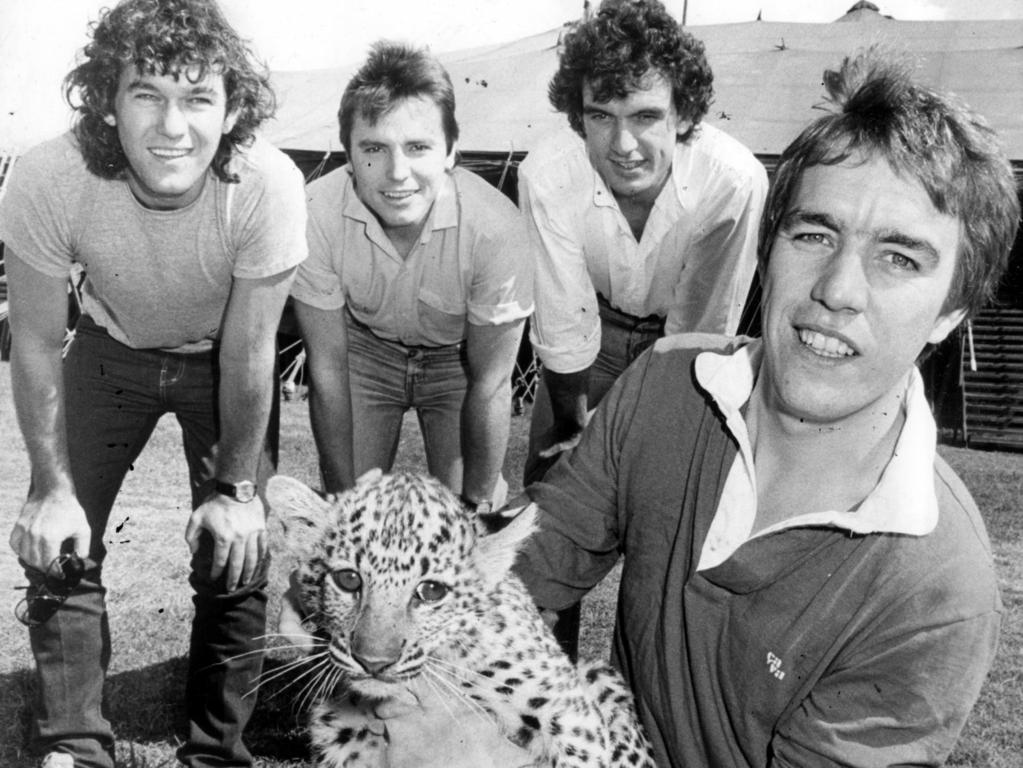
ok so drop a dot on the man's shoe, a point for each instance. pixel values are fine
(58, 760)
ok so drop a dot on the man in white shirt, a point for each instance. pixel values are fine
(643, 221)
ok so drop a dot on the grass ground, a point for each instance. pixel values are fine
(150, 608)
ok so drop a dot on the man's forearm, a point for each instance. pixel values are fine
(37, 385)
(485, 424)
(330, 414)
(569, 400)
(245, 396)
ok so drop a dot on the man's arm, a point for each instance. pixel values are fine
(721, 262)
(38, 318)
(565, 327)
(487, 409)
(900, 700)
(247, 356)
(325, 336)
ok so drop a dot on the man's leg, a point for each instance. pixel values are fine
(225, 655)
(439, 379)
(111, 412)
(377, 376)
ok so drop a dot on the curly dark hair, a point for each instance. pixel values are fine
(164, 37)
(394, 71)
(617, 48)
(924, 135)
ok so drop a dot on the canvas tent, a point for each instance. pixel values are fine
(768, 86)
(767, 79)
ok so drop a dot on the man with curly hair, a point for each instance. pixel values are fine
(643, 219)
(184, 231)
(805, 581)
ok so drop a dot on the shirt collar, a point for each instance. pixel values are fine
(903, 501)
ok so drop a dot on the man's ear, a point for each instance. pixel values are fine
(111, 120)
(682, 126)
(944, 325)
(449, 163)
(229, 121)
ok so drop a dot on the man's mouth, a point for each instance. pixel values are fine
(628, 165)
(399, 195)
(824, 345)
(169, 154)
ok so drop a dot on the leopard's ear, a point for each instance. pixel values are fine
(495, 554)
(302, 511)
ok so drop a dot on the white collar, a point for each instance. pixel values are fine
(904, 499)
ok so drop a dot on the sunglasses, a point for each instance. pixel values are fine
(43, 598)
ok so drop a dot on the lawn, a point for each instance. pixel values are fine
(150, 607)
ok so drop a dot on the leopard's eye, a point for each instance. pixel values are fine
(347, 580)
(431, 591)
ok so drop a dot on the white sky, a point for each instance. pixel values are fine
(39, 38)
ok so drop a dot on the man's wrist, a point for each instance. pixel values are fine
(476, 507)
(242, 491)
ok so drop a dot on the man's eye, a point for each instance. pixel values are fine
(431, 591)
(811, 238)
(902, 261)
(347, 580)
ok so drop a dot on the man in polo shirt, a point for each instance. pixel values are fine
(805, 581)
(643, 220)
(416, 287)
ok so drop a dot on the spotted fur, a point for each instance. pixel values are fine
(404, 592)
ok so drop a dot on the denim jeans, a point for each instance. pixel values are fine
(114, 397)
(387, 379)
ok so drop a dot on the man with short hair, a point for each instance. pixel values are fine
(805, 581)
(188, 230)
(643, 218)
(416, 288)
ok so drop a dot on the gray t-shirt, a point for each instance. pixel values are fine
(154, 279)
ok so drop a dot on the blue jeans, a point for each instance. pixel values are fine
(387, 379)
(114, 397)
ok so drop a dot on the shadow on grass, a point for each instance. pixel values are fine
(145, 706)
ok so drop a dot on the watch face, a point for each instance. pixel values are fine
(245, 491)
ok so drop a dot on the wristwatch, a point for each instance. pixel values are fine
(243, 491)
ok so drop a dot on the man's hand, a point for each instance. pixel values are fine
(238, 531)
(431, 728)
(45, 524)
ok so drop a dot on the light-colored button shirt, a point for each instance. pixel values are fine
(903, 501)
(693, 265)
(470, 265)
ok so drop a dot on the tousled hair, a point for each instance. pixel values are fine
(618, 48)
(393, 72)
(181, 38)
(880, 112)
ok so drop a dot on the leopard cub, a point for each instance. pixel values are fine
(403, 591)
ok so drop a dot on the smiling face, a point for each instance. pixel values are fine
(170, 129)
(853, 290)
(400, 164)
(631, 141)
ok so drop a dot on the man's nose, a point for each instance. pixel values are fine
(622, 140)
(172, 120)
(843, 284)
(398, 167)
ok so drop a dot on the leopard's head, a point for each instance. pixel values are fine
(393, 573)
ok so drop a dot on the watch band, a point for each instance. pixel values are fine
(243, 491)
